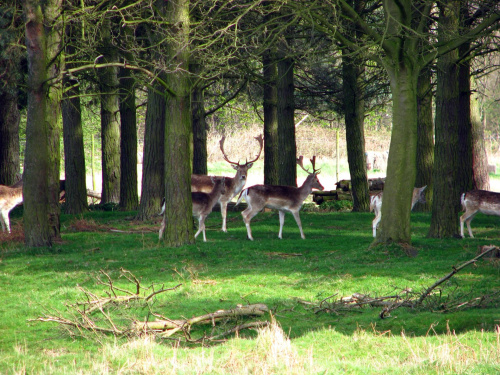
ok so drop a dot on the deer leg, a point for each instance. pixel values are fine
(223, 212)
(282, 221)
(162, 229)
(299, 223)
(466, 217)
(375, 222)
(248, 214)
(201, 228)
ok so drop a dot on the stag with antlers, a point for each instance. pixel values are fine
(234, 185)
(282, 198)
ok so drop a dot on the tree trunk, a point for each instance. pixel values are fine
(74, 155)
(271, 155)
(128, 142)
(110, 124)
(286, 123)
(446, 198)
(354, 111)
(41, 196)
(425, 137)
(401, 165)
(199, 127)
(9, 135)
(177, 219)
(153, 164)
(481, 177)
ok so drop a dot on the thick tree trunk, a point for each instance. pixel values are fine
(110, 124)
(401, 166)
(286, 123)
(128, 143)
(153, 164)
(41, 195)
(425, 137)
(177, 219)
(9, 135)
(354, 111)
(446, 198)
(199, 127)
(74, 155)
(271, 155)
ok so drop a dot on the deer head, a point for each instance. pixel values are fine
(242, 169)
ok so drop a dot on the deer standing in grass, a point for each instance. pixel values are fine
(203, 204)
(234, 185)
(282, 198)
(376, 205)
(10, 197)
(475, 201)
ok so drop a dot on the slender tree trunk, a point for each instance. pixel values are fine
(153, 164)
(9, 136)
(199, 127)
(74, 155)
(425, 137)
(401, 166)
(177, 219)
(446, 199)
(354, 110)
(286, 123)
(128, 142)
(481, 177)
(271, 155)
(41, 195)
(110, 124)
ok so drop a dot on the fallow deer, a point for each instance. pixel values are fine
(376, 205)
(234, 185)
(474, 201)
(282, 198)
(10, 197)
(203, 204)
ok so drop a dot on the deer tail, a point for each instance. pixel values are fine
(243, 195)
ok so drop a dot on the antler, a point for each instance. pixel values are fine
(259, 139)
(221, 142)
(300, 161)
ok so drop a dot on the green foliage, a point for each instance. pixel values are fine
(338, 206)
(291, 276)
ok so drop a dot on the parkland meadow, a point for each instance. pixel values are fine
(297, 280)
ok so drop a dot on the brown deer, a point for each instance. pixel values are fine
(475, 201)
(282, 198)
(234, 185)
(203, 204)
(376, 205)
(10, 197)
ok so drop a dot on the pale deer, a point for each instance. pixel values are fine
(203, 204)
(474, 201)
(234, 185)
(10, 197)
(282, 198)
(376, 205)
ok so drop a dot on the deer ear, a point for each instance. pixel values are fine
(249, 165)
(235, 166)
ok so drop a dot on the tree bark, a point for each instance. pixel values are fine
(480, 175)
(199, 126)
(425, 137)
(110, 124)
(446, 199)
(153, 164)
(128, 142)
(74, 155)
(177, 219)
(41, 195)
(286, 122)
(354, 112)
(271, 155)
(9, 135)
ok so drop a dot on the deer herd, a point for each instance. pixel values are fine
(206, 191)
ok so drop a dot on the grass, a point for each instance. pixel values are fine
(228, 270)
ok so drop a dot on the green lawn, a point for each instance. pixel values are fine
(291, 276)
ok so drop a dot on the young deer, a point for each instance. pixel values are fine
(10, 197)
(475, 201)
(282, 198)
(376, 205)
(204, 184)
(203, 204)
